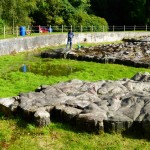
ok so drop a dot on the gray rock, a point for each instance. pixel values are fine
(90, 122)
(111, 106)
(69, 115)
(42, 117)
(147, 39)
(5, 105)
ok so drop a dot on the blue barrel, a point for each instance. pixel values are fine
(22, 31)
(24, 68)
(50, 29)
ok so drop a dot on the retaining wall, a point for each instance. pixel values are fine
(20, 44)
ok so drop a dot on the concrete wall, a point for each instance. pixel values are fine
(20, 44)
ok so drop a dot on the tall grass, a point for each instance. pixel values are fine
(15, 134)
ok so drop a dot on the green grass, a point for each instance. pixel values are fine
(15, 134)
(13, 81)
(18, 135)
(50, 71)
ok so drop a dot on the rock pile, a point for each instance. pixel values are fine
(132, 52)
(91, 106)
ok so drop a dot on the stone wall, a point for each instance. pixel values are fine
(20, 44)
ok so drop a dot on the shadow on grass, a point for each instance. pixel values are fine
(24, 126)
(67, 127)
(136, 131)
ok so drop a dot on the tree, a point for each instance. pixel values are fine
(16, 12)
(136, 12)
(122, 12)
(47, 12)
(72, 12)
(83, 5)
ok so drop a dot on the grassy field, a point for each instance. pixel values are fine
(15, 134)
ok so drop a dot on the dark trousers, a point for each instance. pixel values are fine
(69, 42)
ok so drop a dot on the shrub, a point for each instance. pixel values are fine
(88, 22)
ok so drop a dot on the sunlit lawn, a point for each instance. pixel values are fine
(15, 134)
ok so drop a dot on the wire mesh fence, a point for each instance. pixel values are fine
(8, 32)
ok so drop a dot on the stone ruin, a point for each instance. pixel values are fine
(131, 52)
(104, 105)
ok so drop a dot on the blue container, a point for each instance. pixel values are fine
(24, 68)
(50, 30)
(22, 31)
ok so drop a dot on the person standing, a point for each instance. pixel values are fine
(69, 40)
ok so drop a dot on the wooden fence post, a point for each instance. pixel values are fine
(124, 28)
(4, 32)
(62, 28)
(134, 27)
(113, 28)
(81, 28)
(17, 30)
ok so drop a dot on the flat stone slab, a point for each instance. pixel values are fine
(91, 106)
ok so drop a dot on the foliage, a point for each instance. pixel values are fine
(48, 12)
(123, 12)
(81, 4)
(1, 23)
(66, 12)
(17, 12)
(88, 21)
(137, 12)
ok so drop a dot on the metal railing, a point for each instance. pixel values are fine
(8, 32)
